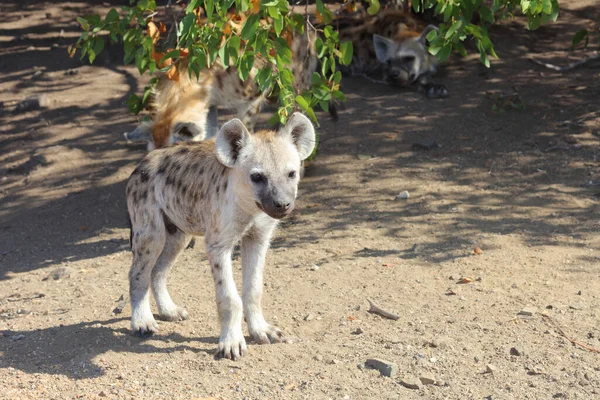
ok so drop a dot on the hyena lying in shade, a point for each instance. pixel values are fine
(391, 47)
(230, 189)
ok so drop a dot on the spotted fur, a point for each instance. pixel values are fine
(231, 189)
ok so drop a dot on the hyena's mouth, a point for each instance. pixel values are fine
(276, 214)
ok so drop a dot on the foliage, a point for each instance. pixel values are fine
(459, 18)
(232, 32)
(236, 32)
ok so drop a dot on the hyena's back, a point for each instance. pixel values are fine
(176, 186)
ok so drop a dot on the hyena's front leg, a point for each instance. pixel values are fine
(232, 344)
(254, 250)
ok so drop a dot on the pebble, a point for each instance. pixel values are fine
(309, 317)
(318, 357)
(410, 382)
(516, 351)
(314, 268)
(537, 370)
(32, 103)
(577, 306)
(358, 331)
(403, 195)
(427, 379)
(528, 311)
(490, 369)
(386, 368)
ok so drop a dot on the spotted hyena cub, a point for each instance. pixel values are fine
(231, 189)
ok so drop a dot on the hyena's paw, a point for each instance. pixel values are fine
(232, 345)
(267, 334)
(144, 326)
(436, 91)
(178, 314)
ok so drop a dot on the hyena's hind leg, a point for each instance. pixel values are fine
(147, 245)
(175, 243)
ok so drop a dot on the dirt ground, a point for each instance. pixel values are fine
(521, 185)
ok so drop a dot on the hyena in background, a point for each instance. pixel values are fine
(391, 47)
(231, 189)
(186, 109)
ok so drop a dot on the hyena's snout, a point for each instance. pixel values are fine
(278, 203)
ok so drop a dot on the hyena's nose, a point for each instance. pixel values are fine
(281, 206)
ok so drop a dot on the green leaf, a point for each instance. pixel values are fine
(347, 51)
(373, 7)
(191, 6)
(534, 22)
(547, 6)
(283, 51)
(111, 16)
(444, 52)
(431, 36)
(84, 23)
(302, 102)
(250, 26)
(234, 47)
(455, 26)
(278, 25)
(579, 36)
(486, 14)
(98, 45)
(91, 55)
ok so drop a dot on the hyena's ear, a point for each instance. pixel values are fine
(382, 46)
(302, 132)
(230, 140)
(428, 28)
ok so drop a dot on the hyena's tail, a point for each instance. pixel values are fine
(143, 133)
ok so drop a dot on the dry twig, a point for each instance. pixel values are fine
(375, 309)
(563, 334)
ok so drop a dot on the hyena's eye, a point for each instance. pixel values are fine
(292, 174)
(257, 177)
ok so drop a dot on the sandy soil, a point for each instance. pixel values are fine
(521, 185)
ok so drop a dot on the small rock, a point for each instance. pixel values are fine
(577, 306)
(537, 370)
(386, 368)
(490, 369)
(30, 48)
(318, 357)
(410, 382)
(37, 74)
(59, 273)
(403, 195)
(48, 15)
(309, 317)
(31, 103)
(528, 311)
(516, 351)
(358, 331)
(314, 268)
(427, 379)
(72, 71)
(102, 394)
(121, 304)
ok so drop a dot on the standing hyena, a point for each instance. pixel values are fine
(231, 189)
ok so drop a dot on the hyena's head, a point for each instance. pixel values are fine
(267, 163)
(406, 60)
